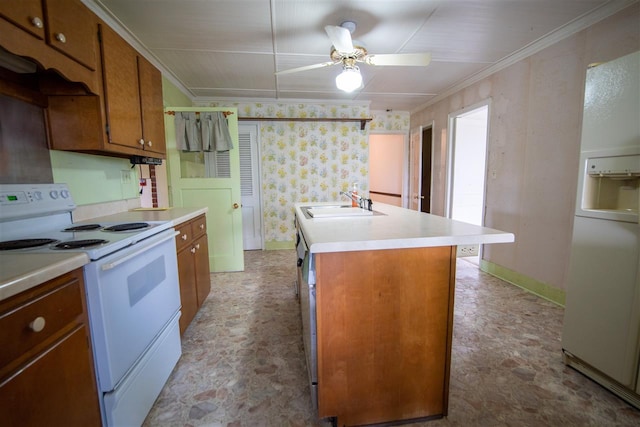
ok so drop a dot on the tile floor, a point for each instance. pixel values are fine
(243, 360)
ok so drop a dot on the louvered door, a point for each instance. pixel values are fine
(250, 187)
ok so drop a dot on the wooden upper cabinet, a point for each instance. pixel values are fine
(67, 26)
(71, 29)
(121, 89)
(151, 106)
(125, 119)
(26, 14)
(133, 96)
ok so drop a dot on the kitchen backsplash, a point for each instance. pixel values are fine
(310, 161)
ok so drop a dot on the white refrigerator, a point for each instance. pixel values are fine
(601, 331)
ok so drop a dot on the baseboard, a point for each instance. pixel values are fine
(543, 290)
(275, 245)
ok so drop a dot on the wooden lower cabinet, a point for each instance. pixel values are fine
(384, 328)
(193, 268)
(46, 364)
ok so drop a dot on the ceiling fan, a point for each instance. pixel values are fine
(345, 53)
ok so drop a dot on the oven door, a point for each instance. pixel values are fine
(131, 295)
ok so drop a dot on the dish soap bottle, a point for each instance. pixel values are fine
(354, 193)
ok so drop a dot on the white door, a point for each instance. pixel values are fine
(467, 169)
(212, 180)
(250, 186)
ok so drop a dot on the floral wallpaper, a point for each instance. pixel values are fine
(310, 161)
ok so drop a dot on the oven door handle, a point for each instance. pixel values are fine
(126, 258)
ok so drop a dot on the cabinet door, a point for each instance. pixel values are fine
(72, 29)
(201, 259)
(26, 14)
(57, 387)
(121, 93)
(151, 106)
(188, 293)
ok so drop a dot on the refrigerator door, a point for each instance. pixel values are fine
(602, 315)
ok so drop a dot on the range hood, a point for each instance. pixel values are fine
(16, 63)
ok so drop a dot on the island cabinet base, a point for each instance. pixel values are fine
(384, 327)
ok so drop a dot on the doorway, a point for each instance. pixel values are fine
(426, 170)
(388, 168)
(250, 186)
(467, 170)
(421, 169)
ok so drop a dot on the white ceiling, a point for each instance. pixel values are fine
(232, 48)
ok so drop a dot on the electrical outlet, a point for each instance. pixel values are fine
(467, 250)
(125, 177)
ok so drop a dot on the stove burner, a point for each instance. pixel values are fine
(86, 227)
(79, 244)
(24, 243)
(127, 227)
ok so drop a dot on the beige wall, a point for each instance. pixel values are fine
(534, 140)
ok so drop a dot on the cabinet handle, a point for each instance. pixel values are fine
(61, 38)
(36, 22)
(37, 324)
(183, 237)
(149, 143)
(201, 226)
(197, 245)
(193, 250)
(141, 141)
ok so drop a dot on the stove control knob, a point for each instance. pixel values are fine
(53, 194)
(64, 194)
(37, 324)
(37, 195)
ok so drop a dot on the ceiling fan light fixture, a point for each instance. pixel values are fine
(349, 79)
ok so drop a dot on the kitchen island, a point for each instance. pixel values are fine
(377, 297)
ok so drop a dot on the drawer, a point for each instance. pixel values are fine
(184, 237)
(199, 226)
(30, 323)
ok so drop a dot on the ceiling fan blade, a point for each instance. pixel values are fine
(402, 59)
(306, 67)
(340, 38)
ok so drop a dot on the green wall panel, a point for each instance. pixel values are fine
(94, 179)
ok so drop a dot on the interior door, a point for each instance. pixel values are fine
(426, 170)
(414, 169)
(250, 187)
(420, 168)
(193, 184)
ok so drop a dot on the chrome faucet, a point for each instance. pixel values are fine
(359, 200)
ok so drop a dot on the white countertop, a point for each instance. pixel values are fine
(20, 271)
(390, 227)
(175, 215)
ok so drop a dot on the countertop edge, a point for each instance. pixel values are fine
(47, 267)
(393, 228)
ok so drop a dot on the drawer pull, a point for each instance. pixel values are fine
(183, 237)
(201, 226)
(37, 324)
(61, 38)
(193, 250)
(36, 22)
